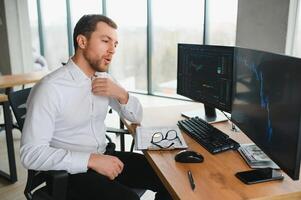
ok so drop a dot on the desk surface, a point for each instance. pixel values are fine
(214, 177)
(3, 98)
(8, 81)
(290, 196)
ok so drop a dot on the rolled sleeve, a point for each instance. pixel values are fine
(131, 111)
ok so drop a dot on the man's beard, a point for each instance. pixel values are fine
(95, 64)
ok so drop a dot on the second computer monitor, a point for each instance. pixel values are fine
(205, 75)
(267, 103)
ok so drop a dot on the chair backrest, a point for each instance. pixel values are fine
(17, 102)
(56, 181)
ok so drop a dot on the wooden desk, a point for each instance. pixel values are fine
(214, 177)
(290, 196)
(7, 82)
(3, 98)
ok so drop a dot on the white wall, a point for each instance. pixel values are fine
(17, 35)
(262, 24)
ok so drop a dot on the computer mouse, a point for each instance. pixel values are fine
(186, 156)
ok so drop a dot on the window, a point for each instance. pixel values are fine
(221, 22)
(129, 63)
(55, 32)
(173, 22)
(297, 40)
(34, 24)
(82, 7)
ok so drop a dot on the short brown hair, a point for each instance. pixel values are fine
(87, 24)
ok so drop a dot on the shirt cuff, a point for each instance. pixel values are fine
(79, 162)
(132, 111)
(130, 104)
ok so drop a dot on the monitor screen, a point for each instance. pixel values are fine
(267, 104)
(205, 74)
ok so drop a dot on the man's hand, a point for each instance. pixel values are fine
(106, 87)
(106, 165)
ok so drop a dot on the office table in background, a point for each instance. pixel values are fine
(214, 178)
(7, 82)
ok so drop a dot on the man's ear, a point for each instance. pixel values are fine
(81, 41)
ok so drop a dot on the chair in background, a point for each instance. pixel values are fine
(3, 98)
(56, 181)
(7, 126)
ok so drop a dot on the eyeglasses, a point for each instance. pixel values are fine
(158, 137)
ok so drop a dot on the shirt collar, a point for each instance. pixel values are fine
(75, 71)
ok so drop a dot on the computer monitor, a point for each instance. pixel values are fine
(205, 75)
(267, 104)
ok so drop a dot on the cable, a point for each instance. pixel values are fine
(233, 126)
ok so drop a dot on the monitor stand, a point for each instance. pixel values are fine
(209, 114)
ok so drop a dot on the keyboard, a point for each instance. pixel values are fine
(211, 138)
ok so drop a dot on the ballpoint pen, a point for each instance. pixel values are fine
(191, 181)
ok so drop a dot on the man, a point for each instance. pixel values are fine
(64, 127)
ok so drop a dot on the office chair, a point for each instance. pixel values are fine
(56, 181)
(3, 98)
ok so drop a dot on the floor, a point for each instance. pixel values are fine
(15, 191)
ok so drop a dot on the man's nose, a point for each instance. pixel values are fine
(112, 49)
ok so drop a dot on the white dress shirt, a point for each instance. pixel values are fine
(65, 121)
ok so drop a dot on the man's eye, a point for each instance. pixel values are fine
(106, 41)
